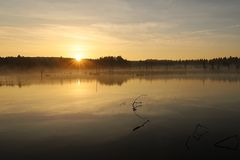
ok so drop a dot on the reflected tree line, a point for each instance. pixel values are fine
(110, 80)
(111, 63)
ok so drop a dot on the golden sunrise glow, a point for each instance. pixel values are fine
(77, 51)
(78, 57)
(93, 33)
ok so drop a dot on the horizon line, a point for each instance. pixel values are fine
(85, 58)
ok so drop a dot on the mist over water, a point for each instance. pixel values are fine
(120, 117)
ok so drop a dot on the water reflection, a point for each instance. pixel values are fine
(65, 118)
(108, 79)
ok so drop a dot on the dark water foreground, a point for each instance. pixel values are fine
(163, 117)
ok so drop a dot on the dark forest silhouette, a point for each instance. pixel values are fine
(111, 63)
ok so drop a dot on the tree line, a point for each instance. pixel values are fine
(111, 62)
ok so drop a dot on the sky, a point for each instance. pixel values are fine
(134, 29)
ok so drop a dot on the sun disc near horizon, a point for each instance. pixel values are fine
(78, 57)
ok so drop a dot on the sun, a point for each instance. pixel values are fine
(78, 57)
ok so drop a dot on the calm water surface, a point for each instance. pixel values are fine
(85, 119)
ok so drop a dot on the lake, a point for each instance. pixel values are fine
(120, 117)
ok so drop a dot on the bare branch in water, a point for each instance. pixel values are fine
(142, 125)
(135, 105)
(220, 144)
(197, 134)
(199, 131)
